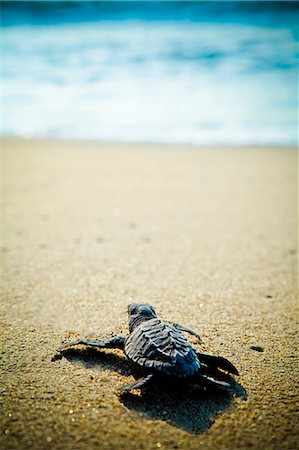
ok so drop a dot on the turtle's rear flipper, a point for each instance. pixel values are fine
(217, 361)
(114, 342)
(140, 383)
(211, 382)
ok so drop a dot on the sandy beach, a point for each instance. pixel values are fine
(208, 236)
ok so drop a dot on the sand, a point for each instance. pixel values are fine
(208, 236)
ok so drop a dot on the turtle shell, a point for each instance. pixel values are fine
(156, 345)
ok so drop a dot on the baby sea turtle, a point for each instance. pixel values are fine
(162, 352)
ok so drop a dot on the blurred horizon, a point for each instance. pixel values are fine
(202, 73)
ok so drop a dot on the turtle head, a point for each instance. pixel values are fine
(139, 312)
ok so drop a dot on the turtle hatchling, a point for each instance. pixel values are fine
(162, 352)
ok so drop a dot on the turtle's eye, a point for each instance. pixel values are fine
(133, 309)
(154, 312)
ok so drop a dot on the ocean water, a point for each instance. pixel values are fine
(207, 73)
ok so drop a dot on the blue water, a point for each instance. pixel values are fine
(209, 73)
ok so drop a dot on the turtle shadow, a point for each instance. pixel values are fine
(96, 360)
(188, 407)
(185, 406)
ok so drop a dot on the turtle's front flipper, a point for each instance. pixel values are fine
(217, 362)
(114, 342)
(186, 330)
(140, 383)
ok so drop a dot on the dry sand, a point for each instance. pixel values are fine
(208, 236)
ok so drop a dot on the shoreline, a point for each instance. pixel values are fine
(142, 144)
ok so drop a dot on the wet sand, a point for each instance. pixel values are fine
(208, 236)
